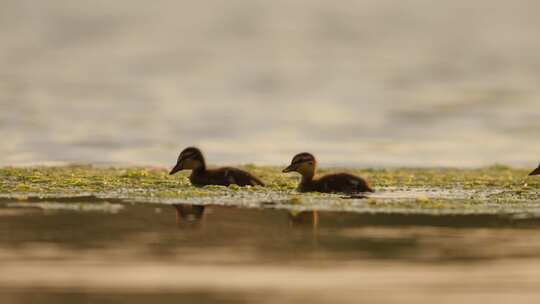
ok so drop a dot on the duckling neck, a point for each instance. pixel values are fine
(199, 170)
(307, 177)
(307, 183)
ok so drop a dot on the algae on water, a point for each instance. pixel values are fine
(496, 189)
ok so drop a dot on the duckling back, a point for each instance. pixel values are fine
(224, 177)
(342, 182)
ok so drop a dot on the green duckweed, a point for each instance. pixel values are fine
(494, 189)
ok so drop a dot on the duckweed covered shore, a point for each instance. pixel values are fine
(491, 190)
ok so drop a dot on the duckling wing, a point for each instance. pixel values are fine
(343, 182)
(232, 176)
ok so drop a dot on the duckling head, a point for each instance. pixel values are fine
(190, 159)
(303, 163)
(535, 172)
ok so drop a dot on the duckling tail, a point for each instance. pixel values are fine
(364, 186)
(369, 188)
(257, 182)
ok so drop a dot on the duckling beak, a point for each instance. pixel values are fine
(176, 168)
(535, 172)
(290, 168)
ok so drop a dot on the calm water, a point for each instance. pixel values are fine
(365, 83)
(148, 252)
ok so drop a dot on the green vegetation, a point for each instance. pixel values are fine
(496, 189)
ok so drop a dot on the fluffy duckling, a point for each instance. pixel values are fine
(535, 172)
(305, 164)
(192, 159)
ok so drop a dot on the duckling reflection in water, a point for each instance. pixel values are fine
(304, 218)
(535, 172)
(189, 213)
(305, 164)
(192, 159)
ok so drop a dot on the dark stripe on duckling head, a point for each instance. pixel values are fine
(302, 158)
(190, 152)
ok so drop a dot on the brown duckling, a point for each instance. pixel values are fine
(535, 172)
(192, 159)
(305, 164)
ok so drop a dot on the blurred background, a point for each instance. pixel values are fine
(359, 83)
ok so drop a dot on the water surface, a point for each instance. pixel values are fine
(217, 254)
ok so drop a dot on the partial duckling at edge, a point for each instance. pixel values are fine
(535, 172)
(192, 159)
(305, 164)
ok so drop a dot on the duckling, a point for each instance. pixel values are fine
(305, 164)
(535, 172)
(192, 159)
